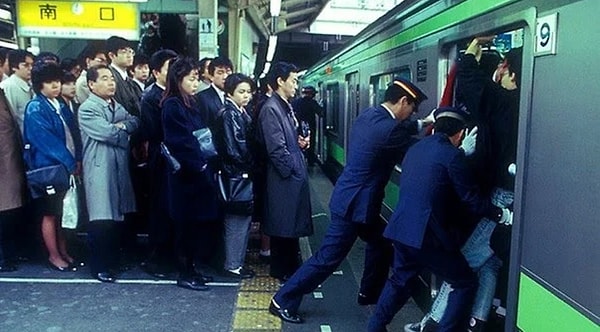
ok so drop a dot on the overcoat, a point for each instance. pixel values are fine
(12, 174)
(287, 198)
(191, 191)
(105, 158)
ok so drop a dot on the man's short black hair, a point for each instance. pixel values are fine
(158, 59)
(219, 62)
(116, 43)
(280, 70)
(92, 72)
(44, 72)
(448, 126)
(514, 60)
(17, 56)
(140, 60)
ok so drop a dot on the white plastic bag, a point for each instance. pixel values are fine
(70, 206)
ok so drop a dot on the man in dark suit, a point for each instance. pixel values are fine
(307, 109)
(427, 229)
(160, 232)
(128, 94)
(379, 138)
(211, 99)
(121, 55)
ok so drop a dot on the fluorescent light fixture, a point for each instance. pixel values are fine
(272, 47)
(275, 8)
(267, 67)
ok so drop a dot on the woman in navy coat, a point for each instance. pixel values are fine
(191, 191)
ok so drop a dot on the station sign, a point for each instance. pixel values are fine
(77, 20)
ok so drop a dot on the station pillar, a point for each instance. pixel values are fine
(207, 28)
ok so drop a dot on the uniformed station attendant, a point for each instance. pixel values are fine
(426, 227)
(378, 141)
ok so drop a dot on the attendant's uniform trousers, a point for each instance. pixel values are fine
(338, 241)
(451, 266)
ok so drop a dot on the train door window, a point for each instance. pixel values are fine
(332, 113)
(381, 82)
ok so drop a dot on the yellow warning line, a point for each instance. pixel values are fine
(251, 312)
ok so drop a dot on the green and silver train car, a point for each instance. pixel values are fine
(552, 273)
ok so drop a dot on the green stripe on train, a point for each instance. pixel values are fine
(391, 195)
(540, 310)
(452, 16)
(337, 152)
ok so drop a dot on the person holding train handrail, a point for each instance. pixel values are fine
(494, 106)
(378, 141)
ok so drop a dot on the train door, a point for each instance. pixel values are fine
(332, 148)
(352, 104)
(497, 120)
(320, 138)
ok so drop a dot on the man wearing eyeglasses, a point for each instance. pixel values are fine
(121, 54)
(93, 57)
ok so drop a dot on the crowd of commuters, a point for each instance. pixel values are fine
(115, 126)
(192, 150)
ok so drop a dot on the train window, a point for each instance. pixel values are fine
(332, 106)
(381, 82)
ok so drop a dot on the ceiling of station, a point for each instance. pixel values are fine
(296, 15)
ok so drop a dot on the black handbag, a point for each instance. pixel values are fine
(47, 180)
(237, 194)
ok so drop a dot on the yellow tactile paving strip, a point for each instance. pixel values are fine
(251, 310)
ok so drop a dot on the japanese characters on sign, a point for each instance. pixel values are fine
(77, 20)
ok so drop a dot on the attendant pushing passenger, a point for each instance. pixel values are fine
(494, 107)
(378, 141)
(425, 227)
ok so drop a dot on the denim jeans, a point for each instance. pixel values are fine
(482, 260)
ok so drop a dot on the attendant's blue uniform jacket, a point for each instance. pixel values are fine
(434, 183)
(377, 143)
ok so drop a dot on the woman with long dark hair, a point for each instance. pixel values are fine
(191, 191)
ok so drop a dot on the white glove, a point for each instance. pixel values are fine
(469, 142)
(507, 217)
(512, 169)
(430, 118)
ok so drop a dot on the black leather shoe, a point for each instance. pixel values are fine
(363, 299)
(7, 268)
(105, 277)
(193, 284)
(284, 314)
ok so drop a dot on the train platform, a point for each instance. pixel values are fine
(36, 298)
